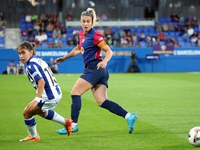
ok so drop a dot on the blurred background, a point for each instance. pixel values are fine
(114, 9)
(166, 28)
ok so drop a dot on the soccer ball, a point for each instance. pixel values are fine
(194, 136)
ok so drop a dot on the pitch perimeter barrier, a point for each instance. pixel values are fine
(184, 60)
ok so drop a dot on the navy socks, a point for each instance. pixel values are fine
(75, 107)
(114, 108)
(107, 104)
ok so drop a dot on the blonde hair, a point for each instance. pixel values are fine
(90, 12)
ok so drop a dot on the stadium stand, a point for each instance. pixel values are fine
(181, 38)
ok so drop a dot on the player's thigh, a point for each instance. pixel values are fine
(81, 86)
(100, 93)
(32, 109)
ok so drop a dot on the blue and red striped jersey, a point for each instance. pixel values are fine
(88, 45)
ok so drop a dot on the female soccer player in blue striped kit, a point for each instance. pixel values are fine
(95, 75)
(48, 92)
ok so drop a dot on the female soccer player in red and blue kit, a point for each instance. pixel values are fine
(95, 75)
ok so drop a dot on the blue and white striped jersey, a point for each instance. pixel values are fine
(37, 69)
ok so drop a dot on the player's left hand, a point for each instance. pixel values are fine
(102, 65)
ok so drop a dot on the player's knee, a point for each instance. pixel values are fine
(74, 92)
(26, 114)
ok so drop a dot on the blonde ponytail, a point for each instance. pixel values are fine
(90, 12)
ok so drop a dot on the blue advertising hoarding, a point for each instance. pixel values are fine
(183, 60)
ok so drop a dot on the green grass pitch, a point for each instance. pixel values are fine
(167, 105)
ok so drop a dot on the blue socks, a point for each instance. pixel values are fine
(50, 115)
(75, 107)
(114, 108)
(31, 126)
(30, 122)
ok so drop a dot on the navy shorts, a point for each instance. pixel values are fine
(94, 76)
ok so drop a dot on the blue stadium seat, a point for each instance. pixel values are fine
(131, 19)
(70, 34)
(166, 34)
(44, 45)
(182, 43)
(2, 42)
(175, 24)
(179, 38)
(64, 44)
(157, 33)
(196, 29)
(193, 43)
(50, 39)
(172, 34)
(138, 33)
(168, 20)
(187, 43)
(178, 33)
(29, 25)
(137, 19)
(133, 29)
(186, 18)
(153, 43)
(22, 20)
(146, 30)
(22, 27)
(161, 43)
(151, 29)
(162, 20)
(49, 34)
(151, 33)
(64, 40)
(113, 29)
(186, 37)
(104, 28)
(69, 30)
(143, 43)
(80, 28)
(139, 29)
(183, 24)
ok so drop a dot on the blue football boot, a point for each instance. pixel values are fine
(63, 131)
(131, 122)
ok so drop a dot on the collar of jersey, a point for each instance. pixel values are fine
(30, 59)
(89, 32)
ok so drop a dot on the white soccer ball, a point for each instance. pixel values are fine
(194, 136)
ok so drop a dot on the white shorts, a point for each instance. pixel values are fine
(45, 104)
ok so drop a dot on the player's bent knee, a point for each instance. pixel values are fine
(27, 114)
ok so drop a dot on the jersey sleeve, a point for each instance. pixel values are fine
(98, 38)
(35, 73)
(102, 44)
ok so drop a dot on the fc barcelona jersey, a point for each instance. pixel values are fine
(88, 45)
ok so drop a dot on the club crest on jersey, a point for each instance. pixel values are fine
(82, 50)
(83, 40)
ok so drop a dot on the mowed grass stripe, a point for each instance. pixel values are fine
(166, 104)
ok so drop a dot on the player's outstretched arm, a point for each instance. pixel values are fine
(73, 53)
